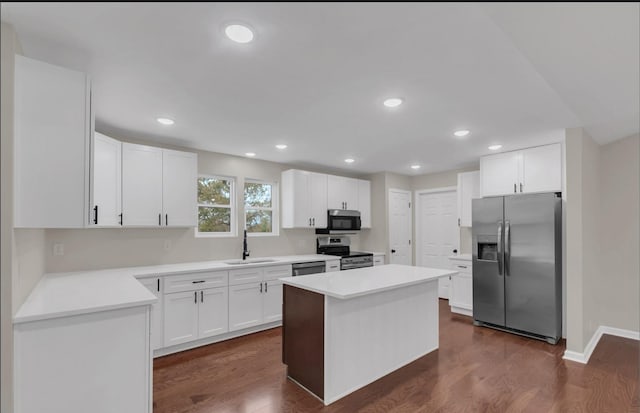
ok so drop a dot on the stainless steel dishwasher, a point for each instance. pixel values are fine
(306, 268)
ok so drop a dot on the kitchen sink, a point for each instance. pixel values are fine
(241, 262)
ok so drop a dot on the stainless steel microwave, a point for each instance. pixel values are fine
(341, 221)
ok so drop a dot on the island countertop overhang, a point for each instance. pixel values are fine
(363, 281)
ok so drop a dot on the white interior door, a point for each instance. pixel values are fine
(437, 232)
(400, 226)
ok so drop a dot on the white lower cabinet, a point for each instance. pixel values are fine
(258, 301)
(213, 312)
(461, 287)
(191, 315)
(180, 317)
(378, 259)
(332, 265)
(245, 305)
(272, 301)
(154, 285)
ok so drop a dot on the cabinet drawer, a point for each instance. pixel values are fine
(463, 267)
(332, 265)
(273, 273)
(195, 281)
(378, 260)
(245, 275)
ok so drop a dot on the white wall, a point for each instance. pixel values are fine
(7, 53)
(615, 294)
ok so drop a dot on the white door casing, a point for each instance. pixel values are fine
(437, 233)
(400, 233)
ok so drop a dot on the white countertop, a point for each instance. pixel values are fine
(463, 257)
(83, 292)
(364, 281)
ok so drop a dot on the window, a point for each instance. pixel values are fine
(260, 209)
(216, 206)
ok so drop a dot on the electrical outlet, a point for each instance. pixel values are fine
(58, 249)
(167, 244)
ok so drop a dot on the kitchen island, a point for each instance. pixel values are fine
(344, 330)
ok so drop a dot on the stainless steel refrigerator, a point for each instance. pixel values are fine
(517, 268)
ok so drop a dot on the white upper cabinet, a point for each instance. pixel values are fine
(499, 173)
(468, 189)
(364, 202)
(542, 169)
(53, 129)
(342, 192)
(529, 170)
(179, 188)
(141, 185)
(158, 187)
(304, 199)
(106, 182)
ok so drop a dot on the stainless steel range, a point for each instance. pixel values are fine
(340, 245)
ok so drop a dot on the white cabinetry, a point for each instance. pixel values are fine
(364, 202)
(342, 192)
(461, 287)
(529, 170)
(53, 131)
(378, 259)
(158, 187)
(195, 311)
(304, 199)
(468, 189)
(67, 364)
(179, 188)
(141, 185)
(332, 265)
(154, 285)
(106, 182)
(255, 295)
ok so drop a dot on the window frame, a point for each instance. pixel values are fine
(275, 208)
(233, 230)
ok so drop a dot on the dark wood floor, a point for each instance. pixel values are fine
(475, 370)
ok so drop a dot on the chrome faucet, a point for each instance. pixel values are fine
(245, 251)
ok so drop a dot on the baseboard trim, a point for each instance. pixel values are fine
(591, 345)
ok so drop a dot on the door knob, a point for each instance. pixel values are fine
(393, 251)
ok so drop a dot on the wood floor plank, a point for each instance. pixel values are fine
(475, 370)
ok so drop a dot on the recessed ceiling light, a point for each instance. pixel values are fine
(392, 102)
(239, 33)
(165, 121)
(281, 146)
(349, 160)
(250, 154)
(415, 166)
(495, 147)
(461, 133)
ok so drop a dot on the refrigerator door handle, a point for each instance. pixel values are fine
(499, 248)
(507, 247)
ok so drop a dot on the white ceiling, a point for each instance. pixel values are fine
(316, 74)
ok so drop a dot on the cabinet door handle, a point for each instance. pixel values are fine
(265, 287)
(309, 221)
(195, 297)
(158, 284)
(166, 219)
(202, 296)
(197, 282)
(160, 219)
(462, 266)
(120, 219)
(314, 221)
(260, 287)
(514, 188)
(520, 186)
(95, 216)
(458, 221)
